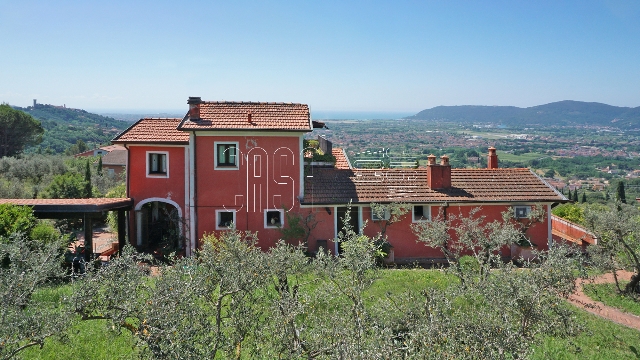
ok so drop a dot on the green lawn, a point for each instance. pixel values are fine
(601, 339)
(608, 294)
(519, 158)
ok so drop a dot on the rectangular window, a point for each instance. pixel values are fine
(421, 213)
(157, 164)
(521, 212)
(225, 219)
(273, 218)
(226, 155)
(383, 214)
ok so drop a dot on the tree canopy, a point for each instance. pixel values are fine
(17, 130)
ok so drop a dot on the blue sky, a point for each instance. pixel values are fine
(384, 56)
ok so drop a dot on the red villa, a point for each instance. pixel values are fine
(242, 163)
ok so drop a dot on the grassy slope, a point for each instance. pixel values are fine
(601, 339)
(608, 294)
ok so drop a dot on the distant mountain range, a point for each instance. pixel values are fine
(64, 126)
(557, 113)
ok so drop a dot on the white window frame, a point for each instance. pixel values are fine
(218, 227)
(148, 169)
(215, 155)
(386, 215)
(267, 223)
(426, 210)
(516, 208)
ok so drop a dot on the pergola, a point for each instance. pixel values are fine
(85, 209)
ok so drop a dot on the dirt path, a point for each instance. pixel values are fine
(580, 299)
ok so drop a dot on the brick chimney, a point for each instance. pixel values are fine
(438, 176)
(194, 107)
(492, 160)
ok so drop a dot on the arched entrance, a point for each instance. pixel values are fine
(159, 226)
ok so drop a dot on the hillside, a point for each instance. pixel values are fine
(64, 126)
(558, 113)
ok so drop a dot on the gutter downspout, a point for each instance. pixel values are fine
(192, 192)
(549, 227)
(126, 181)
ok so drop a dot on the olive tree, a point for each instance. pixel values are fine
(26, 267)
(498, 318)
(197, 308)
(459, 235)
(617, 229)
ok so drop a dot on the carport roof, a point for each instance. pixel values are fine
(61, 206)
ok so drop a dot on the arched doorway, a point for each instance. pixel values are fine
(159, 227)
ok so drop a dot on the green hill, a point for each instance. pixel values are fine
(558, 113)
(64, 126)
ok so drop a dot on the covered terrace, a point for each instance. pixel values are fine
(85, 209)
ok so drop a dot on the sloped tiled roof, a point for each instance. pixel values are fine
(342, 162)
(227, 115)
(336, 186)
(153, 130)
(116, 157)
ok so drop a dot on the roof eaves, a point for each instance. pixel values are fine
(562, 197)
(115, 139)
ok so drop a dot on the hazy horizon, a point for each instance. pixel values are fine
(379, 56)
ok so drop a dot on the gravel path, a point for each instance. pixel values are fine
(580, 299)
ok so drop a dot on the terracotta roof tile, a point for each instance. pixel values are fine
(336, 186)
(153, 130)
(226, 115)
(72, 205)
(116, 157)
(342, 162)
(91, 201)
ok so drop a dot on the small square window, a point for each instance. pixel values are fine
(383, 214)
(421, 213)
(157, 164)
(521, 212)
(273, 218)
(226, 155)
(225, 219)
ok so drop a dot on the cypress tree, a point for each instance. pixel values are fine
(575, 195)
(87, 181)
(569, 195)
(621, 196)
(100, 165)
(584, 197)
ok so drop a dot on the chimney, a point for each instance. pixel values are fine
(249, 117)
(194, 107)
(492, 160)
(438, 176)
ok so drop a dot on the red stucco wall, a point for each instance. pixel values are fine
(267, 178)
(404, 241)
(142, 187)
